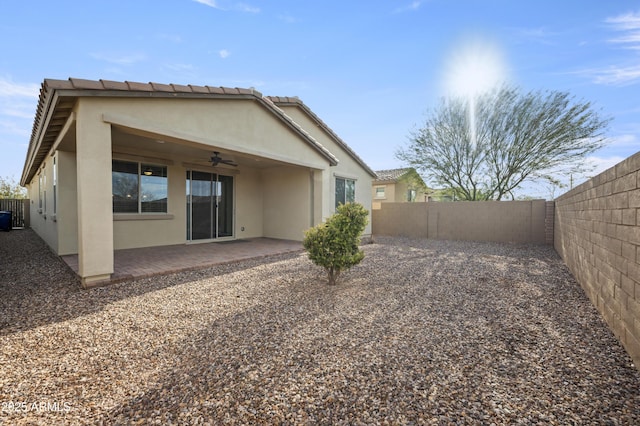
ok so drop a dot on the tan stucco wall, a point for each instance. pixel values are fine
(242, 126)
(42, 219)
(389, 193)
(499, 221)
(94, 170)
(283, 214)
(597, 233)
(279, 202)
(138, 232)
(347, 167)
(249, 199)
(67, 217)
(286, 202)
(237, 125)
(393, 193)
(59, 230)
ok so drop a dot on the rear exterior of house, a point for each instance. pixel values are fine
(115, 165)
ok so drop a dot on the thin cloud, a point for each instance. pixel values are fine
(600, 164)
(13, 128)
(16, 110)
(627, 21)
(174, 38)
(631, 41)
(9, 88)
(629, 25)
(413, 6)
(539, 35)
(627, 28)
(224, 53)
(247, 8)
(623, 140)
(288, 19)
(119, 60)
(210, 3)
(616, 75)
(179, 67)
(227, 5)
(17, 104)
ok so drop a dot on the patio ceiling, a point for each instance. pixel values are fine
(155, 146)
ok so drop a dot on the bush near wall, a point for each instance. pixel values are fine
(597, 234)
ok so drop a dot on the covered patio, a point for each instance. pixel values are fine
(115, 166)
(151, 261)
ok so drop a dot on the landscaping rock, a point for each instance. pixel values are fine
(421, 332)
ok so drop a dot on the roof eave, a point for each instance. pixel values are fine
(294, 101)
(52, 90)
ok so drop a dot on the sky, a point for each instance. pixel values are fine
(371, 69)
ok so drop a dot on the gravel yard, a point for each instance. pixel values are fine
(421, 332)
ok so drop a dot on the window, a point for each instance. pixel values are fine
(380, 192)
(40, 192)
(55, 185)
(138, 187)
(411, 195)
(42, 201)
(345, 191)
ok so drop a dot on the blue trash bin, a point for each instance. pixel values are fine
(5, 220)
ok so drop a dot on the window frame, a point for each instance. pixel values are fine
(345, 191)
(55, 186)
(140, 175)
(40, 190)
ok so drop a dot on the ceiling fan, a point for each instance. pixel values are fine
(216, 159)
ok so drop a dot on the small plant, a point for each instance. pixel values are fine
(335, 244)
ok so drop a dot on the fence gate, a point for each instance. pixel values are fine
(19, 209)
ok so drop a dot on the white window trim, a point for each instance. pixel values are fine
(333, 186)
(345, 176)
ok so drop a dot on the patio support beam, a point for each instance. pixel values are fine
(317, 184)
(95, 217)
(324, 182)
(63, 133)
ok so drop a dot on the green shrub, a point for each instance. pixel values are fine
(335, 244)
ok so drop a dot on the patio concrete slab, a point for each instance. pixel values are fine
(150, 261)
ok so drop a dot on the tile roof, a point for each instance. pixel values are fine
(133, 86)
(57, 98)
(391, 174)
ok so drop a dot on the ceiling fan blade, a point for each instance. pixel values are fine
(216, 159)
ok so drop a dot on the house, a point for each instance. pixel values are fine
(398, 185)
(115, 165)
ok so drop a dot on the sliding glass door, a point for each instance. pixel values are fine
(209, 206)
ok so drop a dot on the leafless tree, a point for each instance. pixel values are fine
(486, 147)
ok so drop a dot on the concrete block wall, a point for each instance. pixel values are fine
(497, 221)
(549, 222)
(597, 234)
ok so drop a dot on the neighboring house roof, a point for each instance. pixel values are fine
(391, 175)
(57, 98)
(295, 101)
